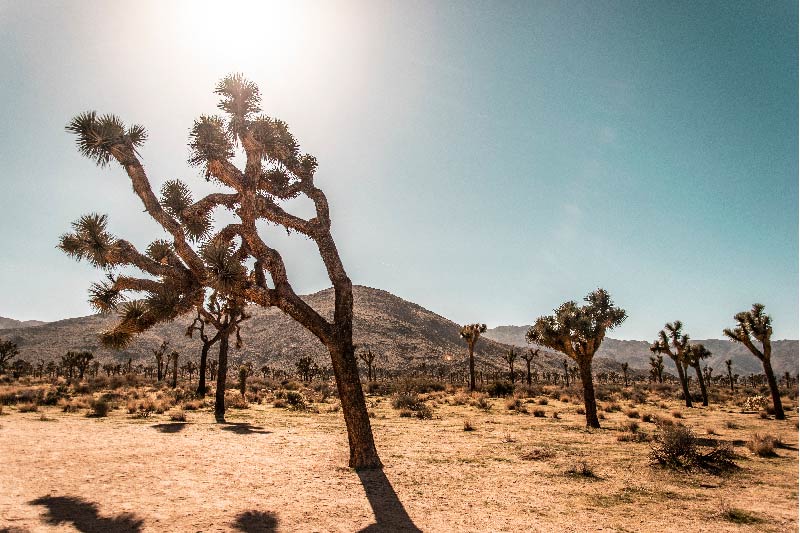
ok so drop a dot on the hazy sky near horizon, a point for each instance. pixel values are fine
(486, 160)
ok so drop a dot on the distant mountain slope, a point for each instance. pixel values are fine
(400, 332)
(8, 323)
(637, 353)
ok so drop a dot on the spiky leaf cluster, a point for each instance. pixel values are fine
(104, 297)
(228, 272)
(695, 353)
(90, 241)
(176, 198)
(209, 141)
(101, 137)
(240, 99)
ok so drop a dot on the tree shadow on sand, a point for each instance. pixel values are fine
(243, 428)
(169, 427)
(390, 515)
(84, 515)
(256, 522)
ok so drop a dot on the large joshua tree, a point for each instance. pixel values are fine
(673, 342)
(577, 331)
(657, 367)
(275, 171)
(471, 333)
(755, 326)
(694, 355)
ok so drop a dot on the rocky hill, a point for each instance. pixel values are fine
(637, 353)
(8, 323)
(402, 333)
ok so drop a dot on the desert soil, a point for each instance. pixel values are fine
(272, 469)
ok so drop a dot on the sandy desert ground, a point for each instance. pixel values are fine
(273, 469)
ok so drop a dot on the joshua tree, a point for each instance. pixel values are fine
(190, 367)
(275, 172)
(672, 338)
(752, 326)
(528, 357)
(509, 358)
(369, 359)
(577, 331)
(708, 371)
(693, 355)
(174, 360)
(159, 353)
(304, 368)
(657, 367)
(8, 350)
(212, 369)
(224, 315)
(244, 371)
(566, 372)
(471, 333)
(728, 364)
(625, 373)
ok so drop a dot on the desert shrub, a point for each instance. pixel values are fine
(676, 447)
(499, 389)
(28, 408)
(407, 400)
(582, 469)
(142, 408)
(290, 385)
(420, 385)
(469, 425)
(632, 413)
(711, 431)
(295, 400)
(539, 413)
(580, 411)
(177, 415)
(647, 417)
(764, 414)
(631, 432)
(481, 403)
(192, 405)
(324, 390)
(612, 407)
(556, 415)
(525, 391)
(677, 414)
(382, 388)
(424, 412)
(280, 404)
(515, 404)
(601, 416)
(99, 408)
(459, 399)
(72, 406)
(730, 424)
(235, 401)
(537, 454)
(763, 445)
(406, 413)
(542, 401)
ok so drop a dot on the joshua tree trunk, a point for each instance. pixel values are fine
(528, 375)
(773, 388)
(359, 431)
(684, 384)
(702, 382)
(222, 375)
(201, 386)
(589, 402)
(471, 367)
(174, 370)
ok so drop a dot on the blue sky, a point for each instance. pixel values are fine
(485, 160)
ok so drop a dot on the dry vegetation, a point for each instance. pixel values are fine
(455, 461)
